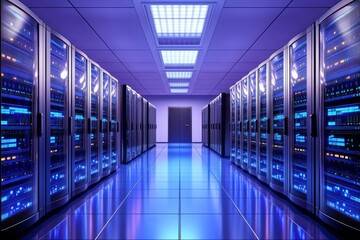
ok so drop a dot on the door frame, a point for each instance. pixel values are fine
(179, 107)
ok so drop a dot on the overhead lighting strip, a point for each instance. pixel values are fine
(179, 57)
(178, 75)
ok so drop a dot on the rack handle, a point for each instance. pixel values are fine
(40, 124)
(89, 125)
(286, 126)
(70, 126)
(313, 129)
(268, 126)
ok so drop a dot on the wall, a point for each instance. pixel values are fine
(162, 103)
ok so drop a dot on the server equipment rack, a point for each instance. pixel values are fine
(133, 105)
(244, 157)
(114, 124)
(126, 124)
(22, 78)
(302, 125)
(253, 122)
(205, 125)
(279, 121)
(139, 122)
(94, 123)
(338, 77)
(238, 124)
(58, 121)
(233, 124)
(79, 115)
(144, 125)
(152, 126)
(264, 123)
(104, 123)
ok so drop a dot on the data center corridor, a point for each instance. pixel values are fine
(180, 192)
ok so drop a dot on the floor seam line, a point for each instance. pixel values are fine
(127, 195)
(232, 201)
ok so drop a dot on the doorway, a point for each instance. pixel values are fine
(179, 126)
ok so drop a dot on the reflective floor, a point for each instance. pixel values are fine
(180, 191)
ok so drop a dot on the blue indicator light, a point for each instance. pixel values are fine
(56, 115)
(79, 117)
(343, 110)
(336, 141)
(93, 118)
(279, 117)
(300, 138)
(331, 123)
(13, 110)
(52, 139)
(4, 122)
(300, 115)
(277, 137)
(77, 137)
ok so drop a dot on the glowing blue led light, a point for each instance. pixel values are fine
(79, 117)
(179, 20)
(336, 141)
(343, 110)
(300, 115)
(12, 110)
(179, 57)
(178, 90)
(300, 138)
(179, 75)
(56, 115)
(4, 122)
(52, 139)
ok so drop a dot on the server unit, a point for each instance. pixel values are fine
(114, 124)
(233, 124)
(105, 123)
(79, 115)
(339, 120)
(279, 121)
(144, 125)
(219, 120)
(302, 125)
(22, 123)
(205, 125)
(94, 123)
(253, 123)
(139, 121)
(238, 124)
(57, 118)
(152, 126)
(244, 123)
(264, 123)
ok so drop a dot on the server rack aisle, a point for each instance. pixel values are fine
(218, 116)
(22, 78)
(79, 115)
(339, 107)
(136, 112)
(57, 116)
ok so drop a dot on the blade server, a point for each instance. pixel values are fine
(296, 126)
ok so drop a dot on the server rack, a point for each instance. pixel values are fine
(134, 112)
(301, 112)
(94, 123)
(104, 123)
(79, 115)
(244, 123)
(126, 132)
(139, 118)
(238, 124)
(279, 121)
(144, 124)
(253, 122)
(22, 78)
(233, 124)
(152, 126)
(338, 103)
(114, 125)
(264, 123)
(205, 125)
(58, 121)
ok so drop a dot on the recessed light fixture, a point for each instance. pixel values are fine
(179, 57)
(178, 75)
(178, 90)
(179, 84)
(179, 21)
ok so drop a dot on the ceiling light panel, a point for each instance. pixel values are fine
(179, 58)
(178, 75)
(178, 90)
(179, 24)
(179, 84)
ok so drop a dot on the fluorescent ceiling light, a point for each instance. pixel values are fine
(179, 57)
(179, 20)
(179, 84)
(178, 75)
(178, 90)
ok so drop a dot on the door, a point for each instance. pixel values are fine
(179, 128)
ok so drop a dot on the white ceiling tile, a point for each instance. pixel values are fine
(102, 3)
(113, 67)
(211, 76)
(147, 76)
(256, 3)
(256, 56)
(141, 67)
(134, 56)
(312, 3)
(223, 56)
(216, 67)
(245, 66)
(101, 56)
(46, 3)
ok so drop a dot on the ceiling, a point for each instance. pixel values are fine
(239, 36)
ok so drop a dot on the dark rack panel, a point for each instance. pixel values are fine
(105, 124)
(94, 123)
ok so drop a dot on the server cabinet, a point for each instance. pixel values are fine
(138, 124)
(126, 132)
(301, 120)
(114, 125)
(133, 105)
(245, 123)
(238, 124)
(57, 120)
(105, 123)
(279, 121)
(22, 161)
(152, 126)
(233, 124)
(205, 125)
(144, 124)
(253, 127)
(94, 122)
(339, 99)
(264, 123)
(79, 114)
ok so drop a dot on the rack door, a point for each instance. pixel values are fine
(19, 94)
(105, 119)
(245, 123)
(115, 127)
(233, 124)
(253, 123)
(340, 123)
(57, 123)
(94, 123)
(80, 111)
(238, 125)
